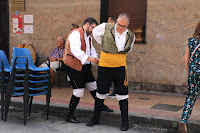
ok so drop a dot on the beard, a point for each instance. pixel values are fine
(88, 32)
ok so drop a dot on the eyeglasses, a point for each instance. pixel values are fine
(123, 26)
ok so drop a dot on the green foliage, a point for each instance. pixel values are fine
(175, 124)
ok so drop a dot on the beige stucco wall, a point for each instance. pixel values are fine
(161, 61)
(52, 18)
(157, 65)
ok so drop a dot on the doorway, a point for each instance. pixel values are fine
(4, 26)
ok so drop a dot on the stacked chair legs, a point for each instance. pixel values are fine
(5, 71)
(27, 80)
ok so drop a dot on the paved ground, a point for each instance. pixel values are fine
(37, 123)
(159, 104)
(158, 109)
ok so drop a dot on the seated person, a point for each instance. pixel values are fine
(55, 56)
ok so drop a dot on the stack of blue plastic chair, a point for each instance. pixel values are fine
(5, 70)
(27, 80)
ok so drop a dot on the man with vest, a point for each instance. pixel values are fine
(116, 40)
(78, 56)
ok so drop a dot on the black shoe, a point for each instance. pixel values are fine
(106, 109)
(71, 119)
(124, 128)
(92, 122)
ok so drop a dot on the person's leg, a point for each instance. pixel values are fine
(77, 94)
(99, 104)
(78, 85)
(103, 82)
(92, 87)
(124, 114)
(189, 103)
(51, 75)
(193, 89)
(122, 95)
(53, 66)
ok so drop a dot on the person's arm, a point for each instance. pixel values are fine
(75, 46)
(61, 54)
(51, 56)
(93, 51)
(98, 32)
(59, 59)
(187, 58)
(93, 59)
(132, 44)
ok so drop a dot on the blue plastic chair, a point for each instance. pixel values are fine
(7, 67)
(28, 82)
(5, 70)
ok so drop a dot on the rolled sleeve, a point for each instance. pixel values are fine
(98, 32)
(75, 46)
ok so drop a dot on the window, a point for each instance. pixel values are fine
(135, 8)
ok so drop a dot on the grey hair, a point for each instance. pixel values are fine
(124, 15)
(63, 39)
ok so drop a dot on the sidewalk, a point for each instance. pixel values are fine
(150, 105)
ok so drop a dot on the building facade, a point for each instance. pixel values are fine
(156, 65)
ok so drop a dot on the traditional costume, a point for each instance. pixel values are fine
(78, 48)
(112, 68)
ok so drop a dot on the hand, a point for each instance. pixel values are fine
(93, 59)
(52, 59)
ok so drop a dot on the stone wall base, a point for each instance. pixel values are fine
(157, 87)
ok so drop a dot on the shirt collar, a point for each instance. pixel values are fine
(62, 47)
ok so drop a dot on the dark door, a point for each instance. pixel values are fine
(104, 11)
(4, 26)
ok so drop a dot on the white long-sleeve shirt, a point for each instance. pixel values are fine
(120, 39)
(75, 47)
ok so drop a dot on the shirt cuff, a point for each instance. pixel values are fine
(84, 59)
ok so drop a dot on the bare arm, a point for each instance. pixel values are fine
(55, 59)
(187, 57)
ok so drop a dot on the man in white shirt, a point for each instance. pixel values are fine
(78, 56)
(116, 40)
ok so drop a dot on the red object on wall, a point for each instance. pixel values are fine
(17, 23)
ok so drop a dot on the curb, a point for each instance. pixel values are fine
(84, 114)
